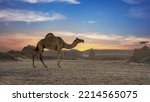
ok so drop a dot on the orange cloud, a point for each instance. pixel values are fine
(16, 42)
(92, 40)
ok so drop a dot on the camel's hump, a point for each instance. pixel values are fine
(49, 35)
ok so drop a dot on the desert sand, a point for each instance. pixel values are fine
(75, 72)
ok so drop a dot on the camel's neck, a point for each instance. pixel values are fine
(70, 46)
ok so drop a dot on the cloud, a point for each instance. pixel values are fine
(17, 41)
(139, 12)
(99, 36)
(132, 2)
(12, 15)
(132, 42)
(90, 35)
(105, 41)
(90, 21)
(49, 1)
(94, 40)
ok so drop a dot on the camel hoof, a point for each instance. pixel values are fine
(46, 66)
(34, 66)
(60, 66)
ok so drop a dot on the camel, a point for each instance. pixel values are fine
(55, 43)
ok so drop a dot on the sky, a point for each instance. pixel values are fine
(103, 24)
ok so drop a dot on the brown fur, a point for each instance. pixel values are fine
(55, 43)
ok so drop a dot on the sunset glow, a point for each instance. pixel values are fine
(103, 24)
(17, 42)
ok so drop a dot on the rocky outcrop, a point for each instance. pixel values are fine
(16, 54)
(12, 55)
(28, 51)
(141, 55)
(7, 57)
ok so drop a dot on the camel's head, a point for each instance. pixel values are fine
(79, 40)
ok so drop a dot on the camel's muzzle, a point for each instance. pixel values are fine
(82, 41)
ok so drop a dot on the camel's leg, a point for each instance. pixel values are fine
(59, 59)
(40, 51)
(62, 54)
(41, 58)
(35, 53)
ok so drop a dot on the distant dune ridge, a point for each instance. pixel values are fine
(141, 55)
(95, 54)
(92, 54)
(6, 57)
(12, 55)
